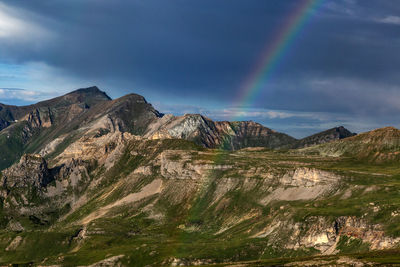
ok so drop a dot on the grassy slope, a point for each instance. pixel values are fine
(12, 144)
(148, 241)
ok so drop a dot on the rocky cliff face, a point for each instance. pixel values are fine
(234, 135)
(217, 134)
(31, 170)
(24, 127)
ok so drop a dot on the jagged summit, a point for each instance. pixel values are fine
(89, 96)
(91, 92)
(218, 134)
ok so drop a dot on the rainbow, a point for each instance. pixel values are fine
(273, 53)
(270, 60)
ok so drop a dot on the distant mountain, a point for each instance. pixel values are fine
(218, 134)
(330, 135)
(67, 118)
(27, 128)
(377, 145)
(30, 129)
(55, 108)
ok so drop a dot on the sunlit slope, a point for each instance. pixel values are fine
(166, 201)
(380, 145)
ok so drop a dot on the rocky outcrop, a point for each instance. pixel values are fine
(31, 188)
(303, 184)
(320, 233)
(175, 164)
(23, 188)
(31, 170)
(373, 234)
(217, 134)
(133, 113)
(14, 243)
(308, 177)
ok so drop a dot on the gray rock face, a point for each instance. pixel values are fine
(20, 126)
(31, 170)
(218, 134)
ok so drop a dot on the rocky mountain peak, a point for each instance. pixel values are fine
(132, 98)
(92, 90)
(89, 90)
(336, 133)
(343, 132)
(83, 98)
(217, 134)
(88, 96)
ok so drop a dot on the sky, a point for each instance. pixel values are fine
(187, 56)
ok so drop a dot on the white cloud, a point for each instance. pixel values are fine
(20, 94)
(260, 114)
(390, 20)
(236, 113)
(347, 8)
(18, 25)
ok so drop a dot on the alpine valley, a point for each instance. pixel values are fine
(90, 181)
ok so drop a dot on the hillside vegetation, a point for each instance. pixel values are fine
(122, 184)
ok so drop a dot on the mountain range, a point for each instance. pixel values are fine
(27, 129)
(91, 181)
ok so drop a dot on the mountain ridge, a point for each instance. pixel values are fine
(114, 181)
(94, 91)
(378, 145)
(28, 129)
(209, 133)
(326, 136)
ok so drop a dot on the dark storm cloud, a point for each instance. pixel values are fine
(345, 60)
(178, 45)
